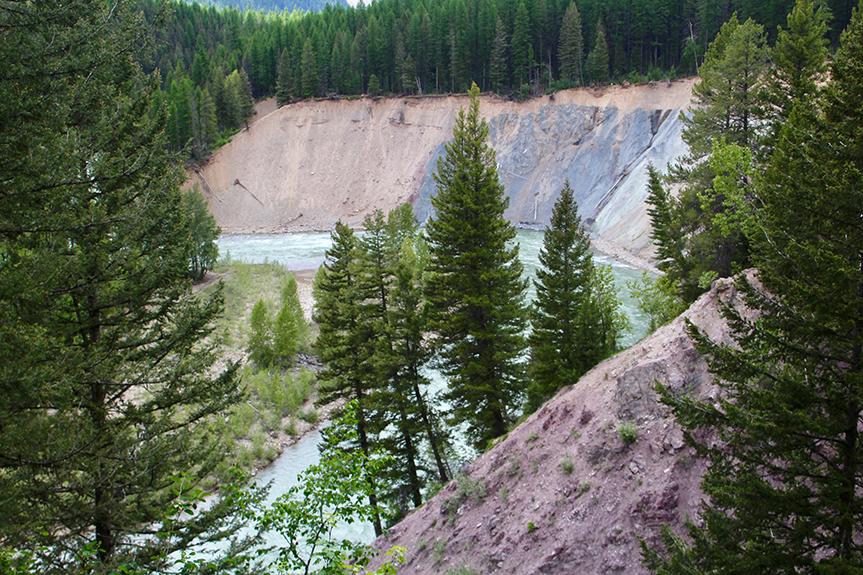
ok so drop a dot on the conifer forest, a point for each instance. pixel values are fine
(116, 399)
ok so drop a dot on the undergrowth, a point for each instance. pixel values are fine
(275, 398)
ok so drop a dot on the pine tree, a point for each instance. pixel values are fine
(374, 85)
(575, 319)
(474, 286)
(784, 443)
(343, 338)
(310, 74)
(799, 63)
(108, 388)
(499, 76)
(522, 51)
(285, 84)
(596, 67)
(571, 46)
(203, 232)
(727, 96)
(378, 252)
(697, 246)
(408, 323)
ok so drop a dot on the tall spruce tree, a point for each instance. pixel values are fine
(596, 66)
(570, 51)
(785, 475)
(799, 63)
(696, 247)
(388, 274)
(473, 284)
(107, 387)
(575, 319)
(343, 342)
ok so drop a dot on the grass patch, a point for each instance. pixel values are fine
(567, 465)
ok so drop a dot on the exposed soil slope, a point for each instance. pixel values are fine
(564, 493)
(307, 165)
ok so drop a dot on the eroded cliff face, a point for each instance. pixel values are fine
(307, 165)
(563, 493)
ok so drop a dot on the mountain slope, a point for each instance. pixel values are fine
(307, 165)
(564, 493)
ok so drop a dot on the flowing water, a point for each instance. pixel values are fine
(302, 251)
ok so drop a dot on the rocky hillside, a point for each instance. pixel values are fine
(574, 487)
(304, 166)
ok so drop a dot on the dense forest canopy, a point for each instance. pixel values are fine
(516, 47)
(273, 5)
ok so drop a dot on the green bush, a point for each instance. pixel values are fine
(628, 432)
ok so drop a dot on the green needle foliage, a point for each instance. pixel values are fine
(203, 233)
(473, 284)
(575, 319)
(107, 382)
(785, 475)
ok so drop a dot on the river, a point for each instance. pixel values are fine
(304, 251)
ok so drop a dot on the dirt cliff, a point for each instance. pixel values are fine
(309, 164)
(568, 492)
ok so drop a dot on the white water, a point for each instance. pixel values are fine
(301, 251)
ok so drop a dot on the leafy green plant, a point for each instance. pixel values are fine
(628, 432)
(567, 465)
(335, 491)
(438, 551)
(462, 569)
(531, 526)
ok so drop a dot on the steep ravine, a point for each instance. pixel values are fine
(563, 493)
(304, 166)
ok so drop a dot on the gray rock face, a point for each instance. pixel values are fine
(604, 152)
(305, 166)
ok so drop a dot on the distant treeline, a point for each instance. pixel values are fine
(517, 47)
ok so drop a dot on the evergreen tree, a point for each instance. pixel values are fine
(499, 75)
(310, 74)
(784, 449)
(559, 355)
(474, 287)
(246, 101)
(204, 131)
(285, 84)
(522, 51)
(108, 389)
(374, 85)
(596, 67)
(343, 338)
(377, 259)
(695, 243)
(799, 62)
(571, 46)
(575, 319)
(408, 323)
(203, 232)
(727, 96)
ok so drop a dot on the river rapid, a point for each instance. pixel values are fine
(305, 251)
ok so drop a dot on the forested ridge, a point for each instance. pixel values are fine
(427, 46)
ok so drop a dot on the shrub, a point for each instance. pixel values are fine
(628, 432)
